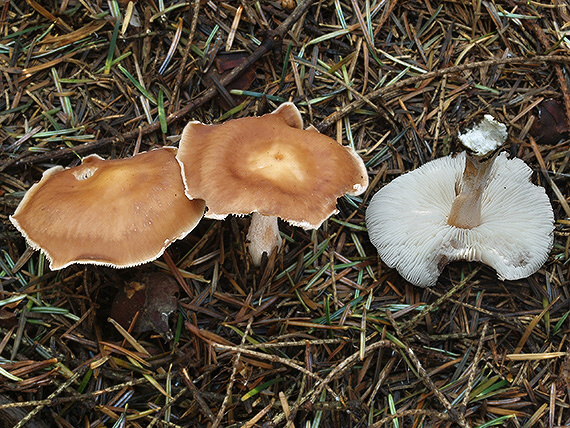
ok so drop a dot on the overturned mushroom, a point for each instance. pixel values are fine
(460, 208)
(271, 167)
(118, 213)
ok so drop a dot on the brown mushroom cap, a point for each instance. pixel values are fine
(118, 213)
(269, 165)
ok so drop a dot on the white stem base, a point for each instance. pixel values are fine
(263, 236)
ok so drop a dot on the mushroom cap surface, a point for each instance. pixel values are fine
(117, 213)
(269, 165)
(407, 221)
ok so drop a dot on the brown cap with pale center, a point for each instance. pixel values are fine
(118, 213)
(269, 165)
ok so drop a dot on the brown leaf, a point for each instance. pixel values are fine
(153, 296)
(227, 61)
(549, 126)
(4, 314)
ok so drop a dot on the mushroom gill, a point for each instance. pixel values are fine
(457, 208)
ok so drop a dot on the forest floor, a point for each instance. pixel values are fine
(324, 334)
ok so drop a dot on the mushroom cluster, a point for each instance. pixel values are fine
(456, 208)
(125, 212)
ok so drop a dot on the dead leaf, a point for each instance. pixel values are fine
(154, 297)
(227, 61)
(549, 126)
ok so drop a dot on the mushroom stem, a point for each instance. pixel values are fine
(466, 209)
(263, 236)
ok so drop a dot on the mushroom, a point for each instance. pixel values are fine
(271, 167)
(117, 213)
(457, 208)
